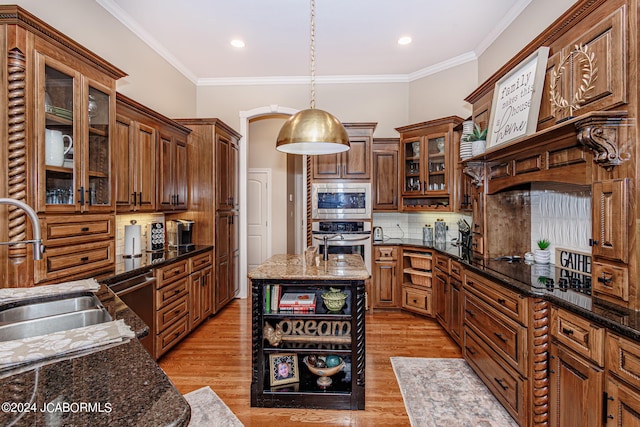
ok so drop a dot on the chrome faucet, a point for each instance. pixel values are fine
(38, 247)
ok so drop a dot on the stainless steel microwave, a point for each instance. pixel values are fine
(338, 200)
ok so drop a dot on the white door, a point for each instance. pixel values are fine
(258, 217)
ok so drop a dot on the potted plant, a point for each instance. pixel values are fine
(542, 254)
(478, 139)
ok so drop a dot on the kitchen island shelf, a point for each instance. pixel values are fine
(296, 336)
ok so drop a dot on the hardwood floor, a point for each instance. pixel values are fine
(218, 354)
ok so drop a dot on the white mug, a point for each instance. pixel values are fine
(55, 149)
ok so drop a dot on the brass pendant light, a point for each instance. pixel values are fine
(312, 131)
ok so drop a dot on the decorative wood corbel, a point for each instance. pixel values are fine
(601, 134)
(476, 171)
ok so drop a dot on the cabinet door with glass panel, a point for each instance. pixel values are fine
(74, 139)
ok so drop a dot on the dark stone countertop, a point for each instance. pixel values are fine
(121, 385)
(533, 280)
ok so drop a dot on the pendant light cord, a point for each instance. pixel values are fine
(313, 54)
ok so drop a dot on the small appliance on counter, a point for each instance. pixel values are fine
(378, 235)
(180, 233)
(132, 240)
(155, 237)
(464, 229)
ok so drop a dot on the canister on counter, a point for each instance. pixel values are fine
(427, 234)
(441, 231)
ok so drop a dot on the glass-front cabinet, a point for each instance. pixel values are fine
(75, 143)
(426, 172)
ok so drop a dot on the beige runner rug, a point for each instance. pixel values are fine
(446, 392)
(207, 410)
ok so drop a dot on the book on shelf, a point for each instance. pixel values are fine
(275, 297)
(267, 299)
(295, 299)
(298, 309)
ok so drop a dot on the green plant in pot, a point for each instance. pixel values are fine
(542, 254)
(478, 139)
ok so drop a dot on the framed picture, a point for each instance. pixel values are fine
(516, 100)
(283, 368)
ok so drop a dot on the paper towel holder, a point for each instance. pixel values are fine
(132, 240)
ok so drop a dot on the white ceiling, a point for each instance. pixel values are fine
(356, 40)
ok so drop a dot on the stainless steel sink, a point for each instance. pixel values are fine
(48, 308)
(54, 323)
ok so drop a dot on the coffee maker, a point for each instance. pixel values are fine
(180, 234)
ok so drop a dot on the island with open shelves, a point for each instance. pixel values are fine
(321, 350)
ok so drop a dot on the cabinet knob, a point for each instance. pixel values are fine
(593, 242)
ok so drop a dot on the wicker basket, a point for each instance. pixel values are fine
(420, 261)
(420, 278)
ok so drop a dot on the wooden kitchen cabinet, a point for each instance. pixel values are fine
(136, 154)
(385, 174)
(354, 163)
(201, 289)
(622, 389)
(417, 293)
(386, 284)
(212, 147)
(427, 164)
(172, 174)
(172, 305)
(611, 219)
(441, 291)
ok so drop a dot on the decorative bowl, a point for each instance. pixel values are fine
(334, 299)
(324, 373)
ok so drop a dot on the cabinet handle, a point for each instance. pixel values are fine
(177, 334)
(471, 350)
(605, 407)
(177, 311)
(140, 198)
(593, 242)
(470, 313)
(504, 387)
(567, 331)
(134, 198)
(84, 259)
(177, 199)
(502, 301)
(84, 229)
(604, 279)
(177, 291)
(81, 197)
(500, 337)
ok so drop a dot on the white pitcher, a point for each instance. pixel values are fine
(55, 148)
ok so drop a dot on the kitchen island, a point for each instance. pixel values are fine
(118, 385)
(300, 334)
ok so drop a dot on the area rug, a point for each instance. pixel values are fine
(446, 392)
(207, 410)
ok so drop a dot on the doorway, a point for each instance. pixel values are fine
(258, 217)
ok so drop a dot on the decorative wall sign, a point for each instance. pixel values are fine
(300, 330)
(516, 100)
(588, 71)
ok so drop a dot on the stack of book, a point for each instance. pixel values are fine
(297, 302)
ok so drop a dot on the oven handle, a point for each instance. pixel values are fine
(357, 239)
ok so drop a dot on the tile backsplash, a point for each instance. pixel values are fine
(409, 225)
(561, 213)
(141, 219)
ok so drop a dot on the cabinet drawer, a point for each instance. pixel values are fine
(77, 229)
(417, 300)
(498, 297)
(442, 263)
(385, 253)
(172, 272)
(455, 270)
(171, 336)
(578, 334)
(508, 387)
(167, 294)
(86, 258)
(201, 261)
(167, 315)
(611, 281)
(623, 358)
(505, 336)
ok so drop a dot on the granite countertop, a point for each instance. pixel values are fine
(119, 385)
(533, 280)
(134, 266)
(338, 267)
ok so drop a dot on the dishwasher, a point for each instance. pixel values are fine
(138, 293)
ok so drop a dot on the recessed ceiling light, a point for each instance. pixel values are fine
(237, 43)
(404, 40)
